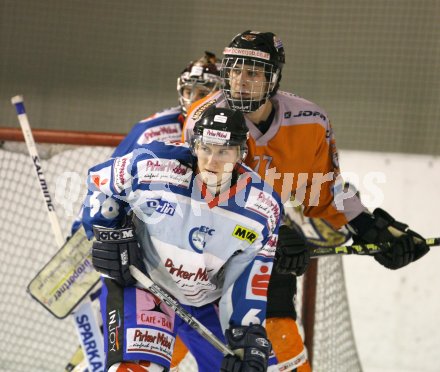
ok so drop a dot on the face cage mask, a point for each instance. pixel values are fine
(255, 93)
(208, 87)
(198, 139)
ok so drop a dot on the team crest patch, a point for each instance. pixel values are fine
(198, 236)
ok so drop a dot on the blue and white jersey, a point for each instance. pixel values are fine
(165, 126)
(197, 246)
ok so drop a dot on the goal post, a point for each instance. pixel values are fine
(38, 341)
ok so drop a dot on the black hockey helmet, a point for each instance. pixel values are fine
(256, 49)
(202, 73)
(265, 46)
(222, 126)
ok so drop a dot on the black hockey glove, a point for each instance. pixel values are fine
(252, 343)
(114, 251)
(292, 254)
(406, 245)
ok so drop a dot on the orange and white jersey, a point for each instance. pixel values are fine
(297, 156)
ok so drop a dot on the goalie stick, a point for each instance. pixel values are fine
(362, 249)
(84, 319)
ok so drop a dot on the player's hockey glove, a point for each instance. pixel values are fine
(406, 245)
(252, 344)
(292, 254)
(114, 251)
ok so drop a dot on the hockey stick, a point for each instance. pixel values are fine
(84, 318)
(147, 283)
(17, 101)
(362, 249)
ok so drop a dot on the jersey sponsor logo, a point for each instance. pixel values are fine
(179, 272)
(150, 341)
(197, 237)
(198, 113)
(265, 205)
(168, 132)
(245, 234)
(192, 278)
(121, 174)
(305, 113)
(157, 321)
(259, 281)
(168, 171)
(161, 206)
(287, 114)
(114, 323)
(153, 312)
(270, 247)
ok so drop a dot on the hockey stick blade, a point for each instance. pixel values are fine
(67, 278)
(148, 284)
(362, 249)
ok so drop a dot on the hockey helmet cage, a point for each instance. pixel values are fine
(203, 74)
(256, 50)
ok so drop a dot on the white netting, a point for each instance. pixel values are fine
(34, 339)
(334, 347)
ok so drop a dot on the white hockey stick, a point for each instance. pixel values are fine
(147, 283)
(17, 101)
(84, 319)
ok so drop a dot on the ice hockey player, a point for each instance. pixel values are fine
(292, 147)
(205, 229)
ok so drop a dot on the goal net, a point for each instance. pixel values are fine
(36, 341)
